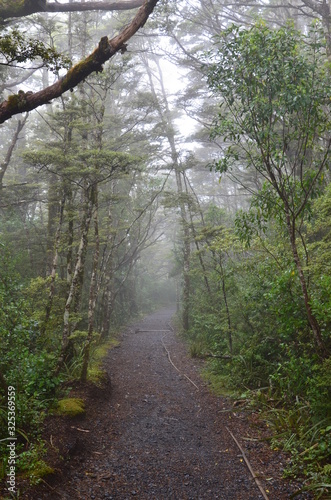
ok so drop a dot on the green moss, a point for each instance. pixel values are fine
(41, 470)
(13, 100)
(96, 373)
(70, 407)
(97, 376)
(76, 74)
(31, 465)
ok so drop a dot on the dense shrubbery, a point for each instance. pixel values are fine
(26, 363)
(273, 360)
(29, 352)
(271, 273)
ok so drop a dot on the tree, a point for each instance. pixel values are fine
(275, 113)
(26, 101)
(15, 8)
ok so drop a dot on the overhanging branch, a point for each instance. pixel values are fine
(106, 49)
(15, 8)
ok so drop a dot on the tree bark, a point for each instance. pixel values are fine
(106, 49)
(16, 8)
(226, 304)
(74, 283)
(53, 271)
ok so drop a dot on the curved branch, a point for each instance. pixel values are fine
(106, 49)
(15, 8)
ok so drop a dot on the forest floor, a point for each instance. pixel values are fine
(156, 432)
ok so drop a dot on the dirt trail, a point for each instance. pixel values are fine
(155, 436)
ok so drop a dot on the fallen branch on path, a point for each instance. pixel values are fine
(152, 331)
(256, 479)
(168, 353)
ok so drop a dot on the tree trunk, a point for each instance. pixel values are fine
(53, 213)
(93, 289)
(226, 305)
(53, 271)
(318, 340)
(80, 261)
(4, 165)
(202, 264)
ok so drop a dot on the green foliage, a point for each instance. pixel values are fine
(32, 465)
(24, 361)
(297, 430)
(15, 48)
(274, 87)
(36, 297)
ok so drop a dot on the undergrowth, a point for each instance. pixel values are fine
(295, 429)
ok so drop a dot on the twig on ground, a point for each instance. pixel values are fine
(170, 360)
(257, 481)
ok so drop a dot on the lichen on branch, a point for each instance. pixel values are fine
(105, 50)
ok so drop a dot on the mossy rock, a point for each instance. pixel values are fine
(70, 407)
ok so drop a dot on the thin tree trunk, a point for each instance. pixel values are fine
(4, 165)
(226, 305)
(54, 268)
(93, 290)
(53, 213)
(80, 261)
(202, 264)
(70, 233)
(314, 325)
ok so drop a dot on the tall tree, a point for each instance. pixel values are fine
(276, 113)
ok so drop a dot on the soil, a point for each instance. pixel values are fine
(157, 432)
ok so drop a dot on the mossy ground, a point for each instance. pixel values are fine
(40, 471)
(96, 373)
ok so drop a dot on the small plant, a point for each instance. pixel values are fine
(197, 349)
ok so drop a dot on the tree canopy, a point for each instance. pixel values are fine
(189, 167)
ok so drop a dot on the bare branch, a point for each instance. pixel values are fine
(22, 9)
(5, 163)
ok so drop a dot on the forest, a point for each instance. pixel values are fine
(185, 159)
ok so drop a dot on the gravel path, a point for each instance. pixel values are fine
(158, 434)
